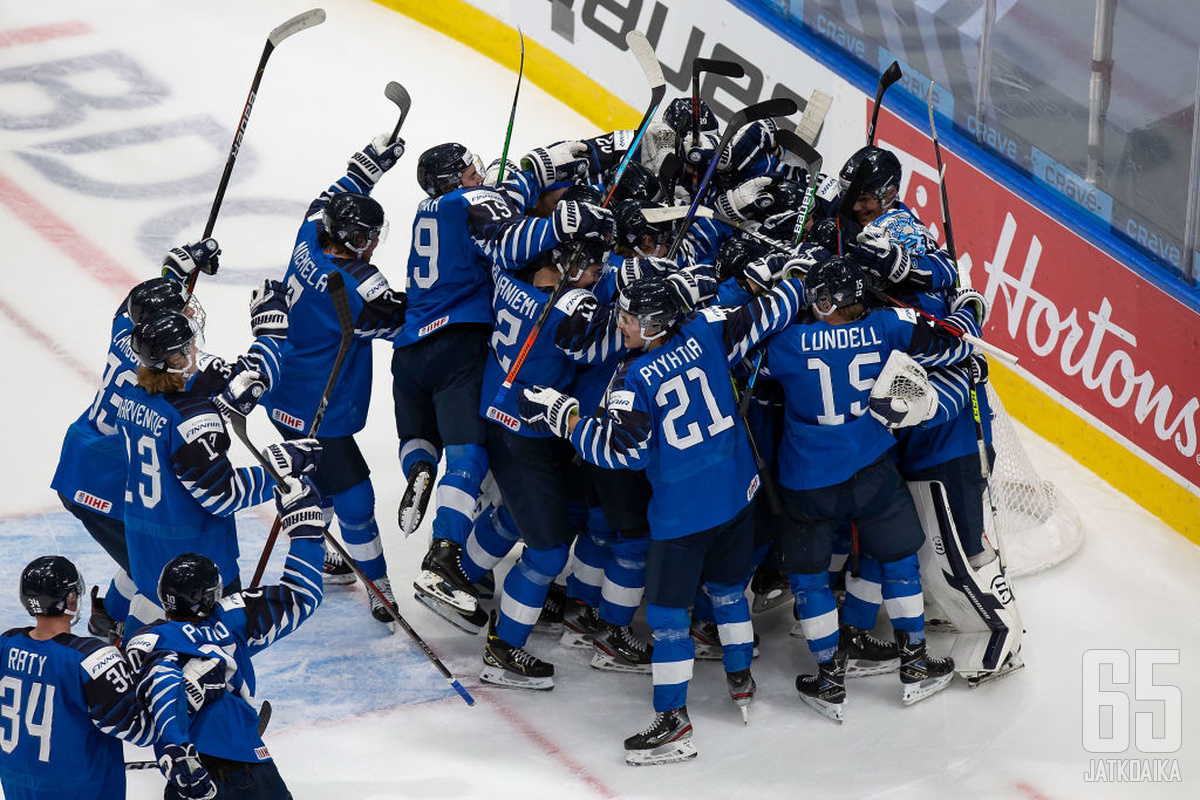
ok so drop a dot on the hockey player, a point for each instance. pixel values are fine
(182, 490)
(836, 467)
(460, 231)
(218, 753)
(68, 700)
(668, 416)
(340, 232)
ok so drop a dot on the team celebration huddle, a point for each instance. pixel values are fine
(646, 386)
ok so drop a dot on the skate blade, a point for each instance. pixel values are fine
(664, 754)
(977, 679)
(610, 663)
(768, 600)
(573, 638)
(339, 581)
(916, 692)
(498, 676)
(861, 668)
(745, 709)
(548, 628)
(708, 652)
(469, 623)
(429, 584)
(832, 711)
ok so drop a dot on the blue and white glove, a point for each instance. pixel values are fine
(762, 273)
(547, 410)
(180, 765)
(294, 457)
(690, 290)
(181, 262)
(879, 255)
(369, 164)
(242, 393)
(299, 505)
(972, 300)
(574, 221)
(493, 172)
(203, 681)
(564, 161)
(635, 268)
(742, 200)
(269, 306)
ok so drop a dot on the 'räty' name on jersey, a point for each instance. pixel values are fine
(677, 356)
(839, 338)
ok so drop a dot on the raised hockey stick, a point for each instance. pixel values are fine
(809, 126)
(398, 95)
(889, 76)
(641, 49)
(341, 306)
(730, 69)
(512, 112)
(775, 107)
(294, 25)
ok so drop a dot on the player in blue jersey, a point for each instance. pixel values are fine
(218, 752)
(181, 490)
(340, 232)
(66, 701)
(836, 467)
(460, 231)
(672, 412)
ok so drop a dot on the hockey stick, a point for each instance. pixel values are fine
(889, 76)
(730, 69)
(512, 113)
(809, 126)
(673, 213)
(775, 107)
(398, 95)
(371, 587)
(264, 719)
(341, 305)
(641, 49)
(668, 174)
(990, 349)
(294, 25)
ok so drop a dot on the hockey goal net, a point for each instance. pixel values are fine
(1039, 526)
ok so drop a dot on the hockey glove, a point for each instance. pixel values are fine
(493, 172)
(294, 457)
(369, 164)
(972, 300)
(203, 681)
(564, 161)
(547, 410)
(762, 273)
(879, 255)
(242, 393)
(299, 506)
(574, 221)
(902, 395)
(808, 257)
(634, 269)
(180, 262)
(690, 289)
(742, 200)
(181, 766)
(697, 155)
(748, 145)
(657, 141)
(269, 306)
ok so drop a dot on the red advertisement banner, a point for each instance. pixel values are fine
(1080, 321)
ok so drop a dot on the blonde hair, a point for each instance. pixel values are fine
(161, 381)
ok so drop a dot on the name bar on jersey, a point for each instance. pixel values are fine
(839, 338)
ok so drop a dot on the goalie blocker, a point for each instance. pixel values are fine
(978, 600)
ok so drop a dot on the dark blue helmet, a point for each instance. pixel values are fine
(654, 303)
(632, 225)
(678, 116)
(836, 283)
(883, 172)
(582, 193)
(637, 183)
(154, 295)
(190, 585)
(47, 584)
(163, 335)
(734, 254)
(440, 168)
(353, 220)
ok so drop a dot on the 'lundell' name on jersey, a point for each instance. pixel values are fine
(677, 356)
(839, 338)
(138, 414)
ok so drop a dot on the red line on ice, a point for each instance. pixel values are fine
(43, 33)
(1030, 792)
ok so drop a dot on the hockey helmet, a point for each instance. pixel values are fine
(637, 183)
(678, 116)
(354, 221)
(163, 335)
(440, 168)
(834, 284)
(734, 254)
(47, 584)
(883, 172)
(190, 585)
(653, 303)
(632, 225)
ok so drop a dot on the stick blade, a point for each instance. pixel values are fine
(774, 107)
(300, 22)
(890, 75)
(398, 95)
(665, 213)
(716, 66)
(643, 51)
(795, 144)
(809, 126)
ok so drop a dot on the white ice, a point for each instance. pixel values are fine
(359, 713)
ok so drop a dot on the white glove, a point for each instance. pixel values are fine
(972, 300)
(762, 273)
(369, 164)
(803, 261)
(902, 395)
(564, 161)
(294, 457)
(741, 200)
(203, 680)
(689, 289)
(269, 306)
(635, 268)
(242, 393)
(880, 256)
(547, 410)
(493, 172)
(181, 262)
(299, 505)
(657, 141)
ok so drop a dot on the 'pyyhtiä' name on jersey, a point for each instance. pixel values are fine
(677, 356)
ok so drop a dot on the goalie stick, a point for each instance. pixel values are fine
(512, 112)
(716, 66)
(889, 76)
(294, 25)
(341, 305)
(809, 126)
(641, 49)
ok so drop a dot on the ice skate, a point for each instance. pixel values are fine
(581, 624)
(826, 691)
(505, 665)
(378, 609)
(619, 649)
(551, 619)
(1012, 663)
(770, 588)
(668, 739)
(708, 641)
(920, 674)
(473, 623)
(100, 624)
(867, 655)
(335, 571)
(741, 690)
(416, 496)
(442, 578)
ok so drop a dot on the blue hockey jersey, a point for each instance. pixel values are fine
(65, 704)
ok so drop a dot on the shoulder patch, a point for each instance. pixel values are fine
(101, 661)
(715, 313)
(146, 642)
(906, 314)
(193, 428)
(233, 601)
(571, 300)
(373, 287)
